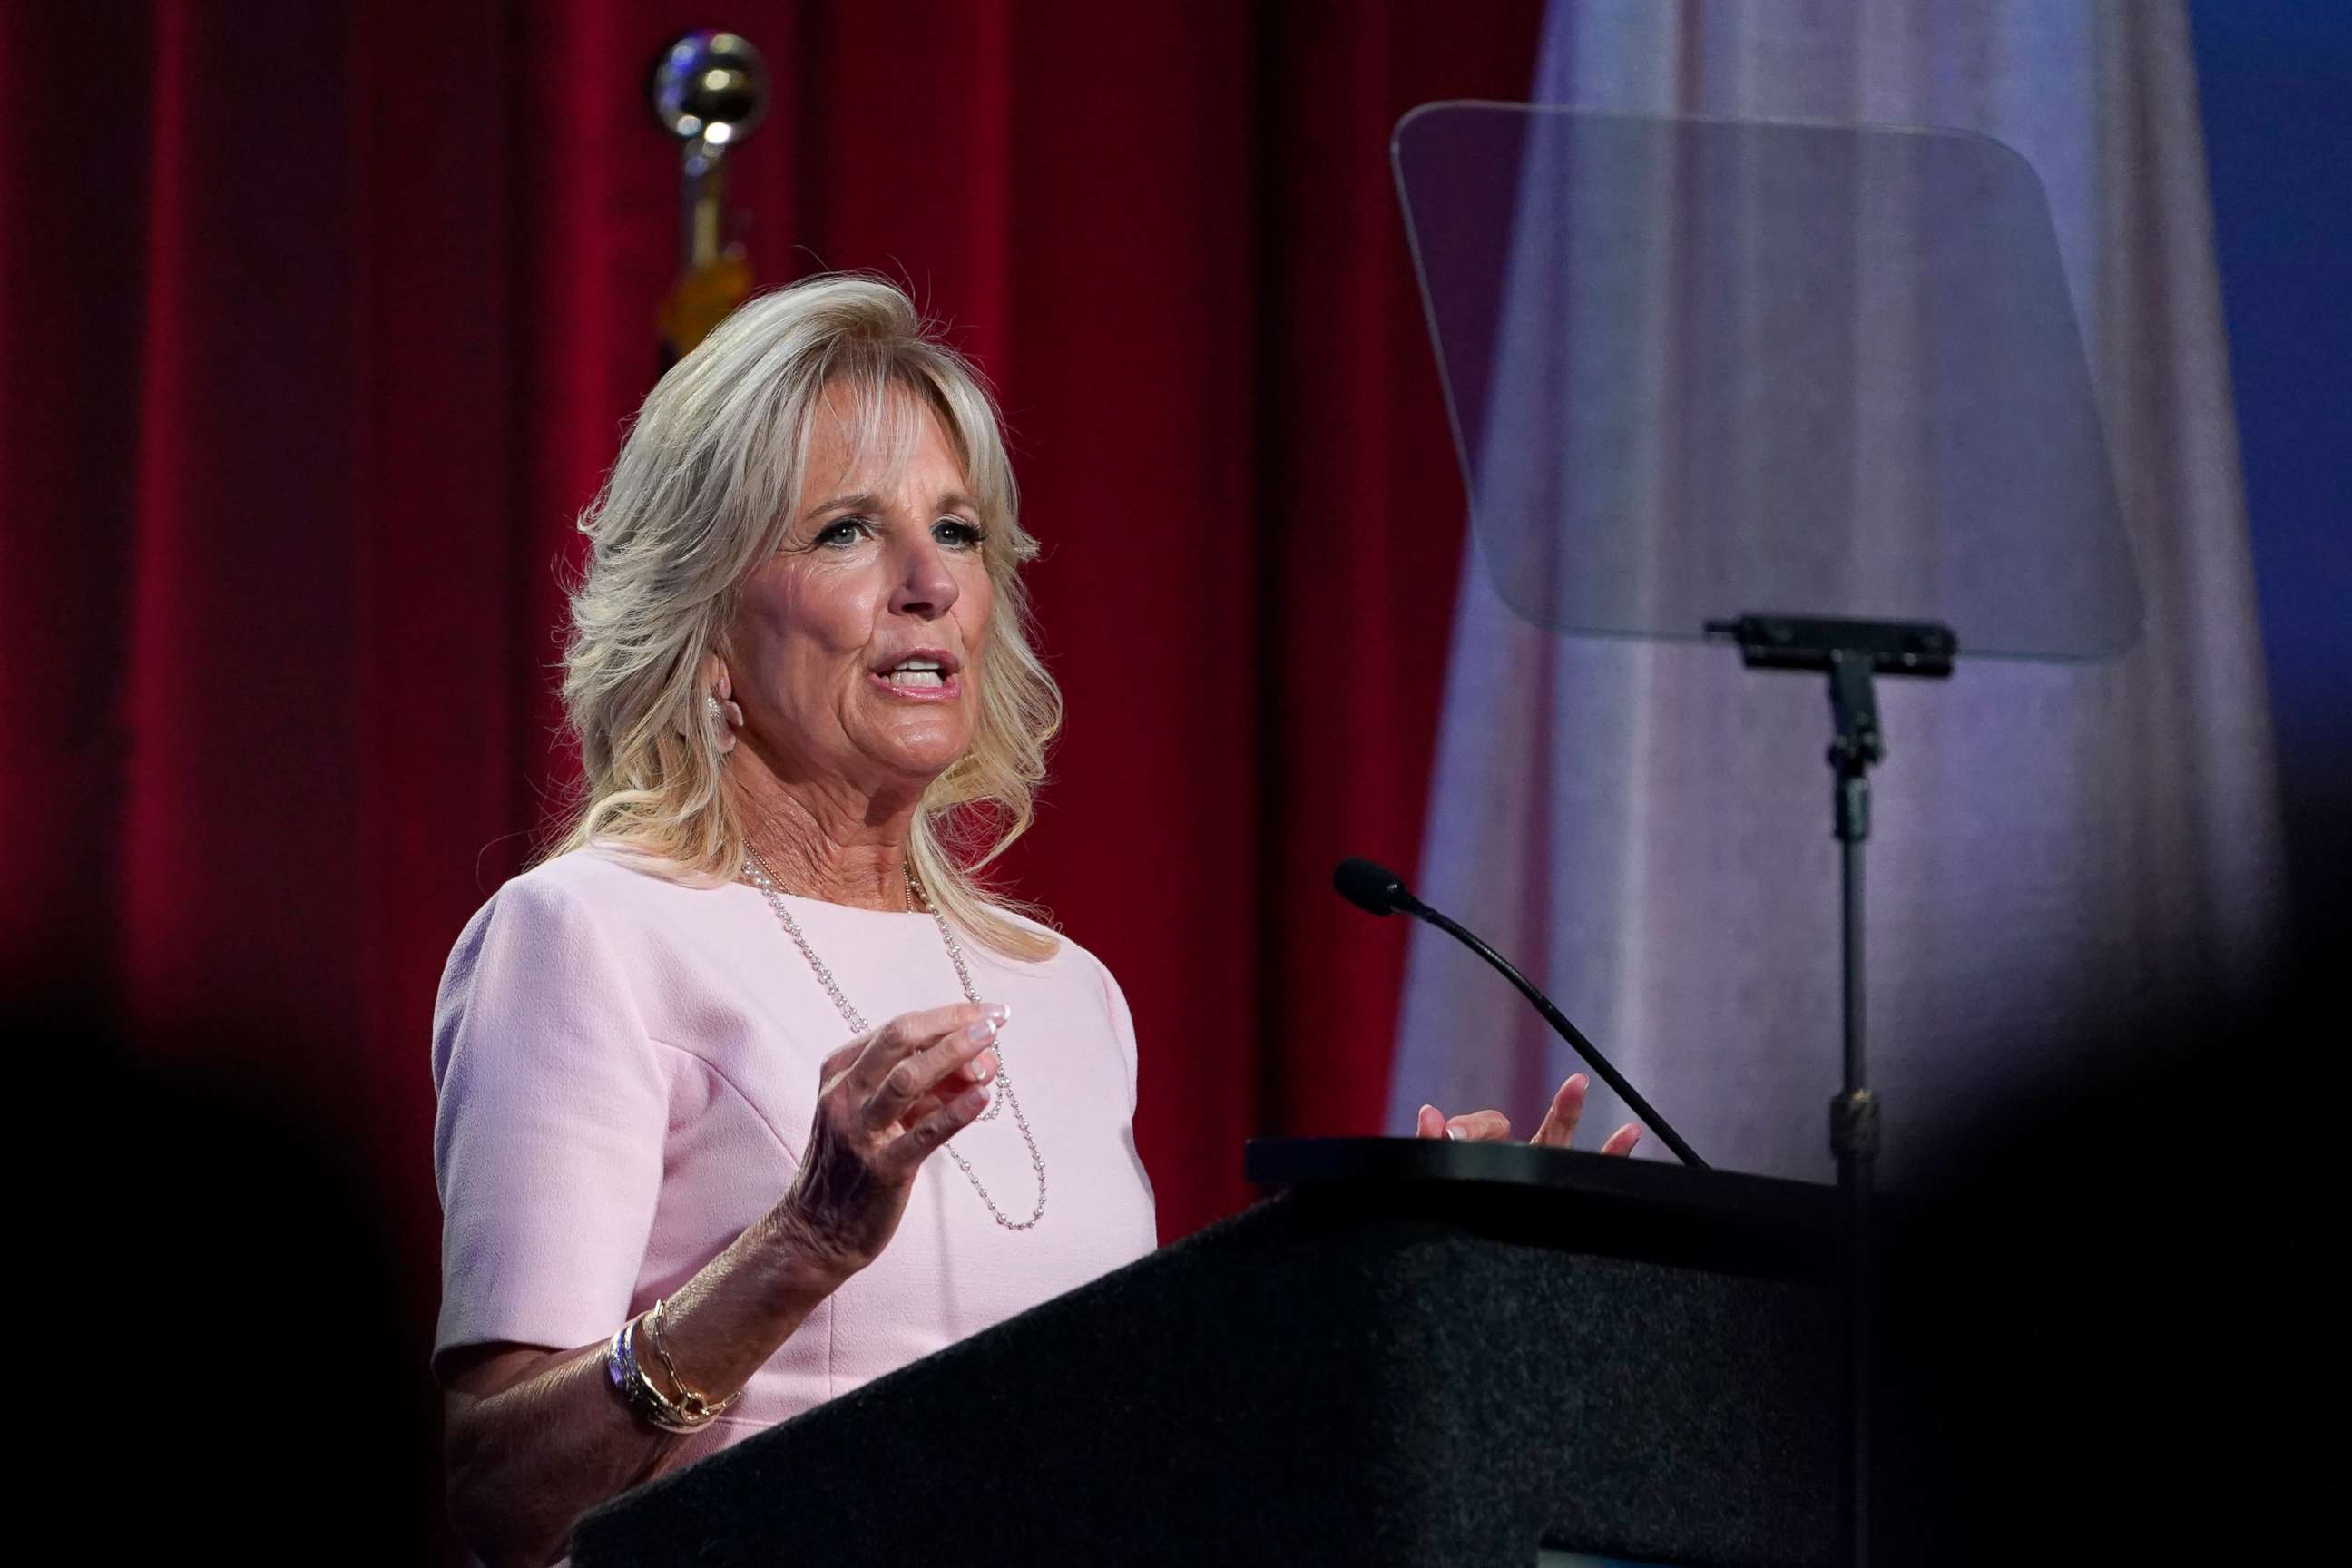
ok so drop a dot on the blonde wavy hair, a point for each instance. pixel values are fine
(703, 492)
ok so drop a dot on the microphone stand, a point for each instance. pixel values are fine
(1377, 890)
(1559, 1020)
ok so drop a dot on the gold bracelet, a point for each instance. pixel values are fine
(695, 1407)
(636, 1391)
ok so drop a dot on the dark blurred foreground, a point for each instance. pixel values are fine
(214, 1340)
(2103, 1332)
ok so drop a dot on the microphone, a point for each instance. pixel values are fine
(1379, 891)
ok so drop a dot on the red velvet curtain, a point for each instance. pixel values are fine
(321, 322)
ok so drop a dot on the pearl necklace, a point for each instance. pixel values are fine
(755, 871)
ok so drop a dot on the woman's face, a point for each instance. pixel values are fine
(856, 648)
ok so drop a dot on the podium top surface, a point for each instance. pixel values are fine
(1592, 1203)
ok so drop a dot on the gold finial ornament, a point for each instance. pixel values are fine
(709, 90)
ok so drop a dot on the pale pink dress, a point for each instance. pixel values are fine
(626, 1068)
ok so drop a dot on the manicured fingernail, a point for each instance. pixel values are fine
(982, 1065)
(1451, 1133)
(999, 1012)
(983, 1030)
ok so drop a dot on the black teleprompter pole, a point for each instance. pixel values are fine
(1854, 1114)
(1851, 653)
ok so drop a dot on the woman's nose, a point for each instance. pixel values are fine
(925, 587)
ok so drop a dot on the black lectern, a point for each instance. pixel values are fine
(1420, 1352)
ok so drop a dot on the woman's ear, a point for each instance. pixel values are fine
(719, 684)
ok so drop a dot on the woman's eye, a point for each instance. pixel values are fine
(845, 532)
(956, 532)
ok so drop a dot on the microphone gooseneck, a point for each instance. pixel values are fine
(1377, 890)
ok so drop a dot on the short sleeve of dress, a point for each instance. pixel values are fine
(1123, 1028)
(552, 1113)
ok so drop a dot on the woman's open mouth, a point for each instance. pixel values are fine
(919, 677)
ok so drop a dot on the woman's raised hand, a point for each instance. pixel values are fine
(1557, 1131)
(888, 1098)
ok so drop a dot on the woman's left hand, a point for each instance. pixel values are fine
(1557, 1131)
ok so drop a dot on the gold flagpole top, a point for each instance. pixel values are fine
(708, 89)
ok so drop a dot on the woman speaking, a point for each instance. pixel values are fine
(750, 1092)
